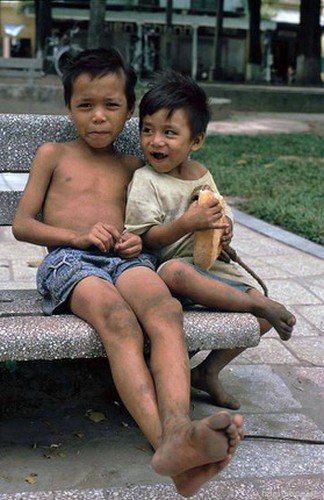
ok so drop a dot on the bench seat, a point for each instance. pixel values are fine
(25, 333)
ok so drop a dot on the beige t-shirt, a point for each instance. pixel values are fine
(155, 199)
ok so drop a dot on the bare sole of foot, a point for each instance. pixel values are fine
(188, 445)
(189, 482)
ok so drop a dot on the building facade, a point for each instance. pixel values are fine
(153, 37)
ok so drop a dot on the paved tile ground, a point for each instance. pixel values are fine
(51, 450)
(280, 386)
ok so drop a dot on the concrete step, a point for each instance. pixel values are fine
(220, 108)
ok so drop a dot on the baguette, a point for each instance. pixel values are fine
(207, 242)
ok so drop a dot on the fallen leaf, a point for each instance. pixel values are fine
(34, 263)
(140, 448)
(95, 416)
(31, 479)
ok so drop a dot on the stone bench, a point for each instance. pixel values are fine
(25, 333)
(31, 67)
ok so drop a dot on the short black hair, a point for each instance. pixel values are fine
(172, 91)
(97, 63)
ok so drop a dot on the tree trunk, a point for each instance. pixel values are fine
(308, 62)
(43, 24)
(96, 24)
(254, 63)
(215, 69)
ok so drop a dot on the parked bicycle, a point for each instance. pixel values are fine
(59, 50)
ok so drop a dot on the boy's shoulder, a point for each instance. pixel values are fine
(53, 148)
(146, 172)
(133, 163)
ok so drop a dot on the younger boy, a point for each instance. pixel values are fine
(173, 119)
(97, 271)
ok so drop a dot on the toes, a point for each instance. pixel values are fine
(219, 421)
(292, 321)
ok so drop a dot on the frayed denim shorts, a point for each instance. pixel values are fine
(64, 267)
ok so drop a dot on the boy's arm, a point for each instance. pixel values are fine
(25, 226)
(193, 219)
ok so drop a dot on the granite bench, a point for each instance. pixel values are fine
(25, 333)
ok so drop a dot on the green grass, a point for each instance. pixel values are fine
(277, 178)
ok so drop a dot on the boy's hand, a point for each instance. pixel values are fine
(199, 217)
(228, 233)
(128, 246)
(103, 236)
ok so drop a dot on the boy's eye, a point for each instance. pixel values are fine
(146, 130)
(84, 105)
(170, 132)
(110, 104)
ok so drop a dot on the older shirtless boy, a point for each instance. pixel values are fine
(99, 273)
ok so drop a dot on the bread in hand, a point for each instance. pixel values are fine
(207, 242)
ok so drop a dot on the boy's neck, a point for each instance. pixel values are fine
(188, 171)
(108, 150)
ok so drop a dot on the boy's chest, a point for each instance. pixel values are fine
(100, 179)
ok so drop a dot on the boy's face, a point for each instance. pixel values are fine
(99, 109)
(166, 140)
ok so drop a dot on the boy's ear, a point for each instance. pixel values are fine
(130, 113)
(198, 141)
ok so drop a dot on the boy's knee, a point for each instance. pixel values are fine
(118, 318)
(174, 274)
(165, 309)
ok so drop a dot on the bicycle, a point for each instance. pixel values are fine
(59, 50)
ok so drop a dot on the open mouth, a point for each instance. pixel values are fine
(159, 156)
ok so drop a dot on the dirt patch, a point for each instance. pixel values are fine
(317, 127)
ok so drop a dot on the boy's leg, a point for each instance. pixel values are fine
(206, 375)
(184, 444)
(183, 279)
(100, 304)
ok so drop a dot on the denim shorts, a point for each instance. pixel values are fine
(64, 267)
(236, 284)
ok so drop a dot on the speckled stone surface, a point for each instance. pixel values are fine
(310, 488)
(20, 136)
(26, 334)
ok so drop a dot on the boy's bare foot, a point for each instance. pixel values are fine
(278, 316)
(210, 383)
(188, 445)
(189, 482)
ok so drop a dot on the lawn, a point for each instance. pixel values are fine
(277, 178)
